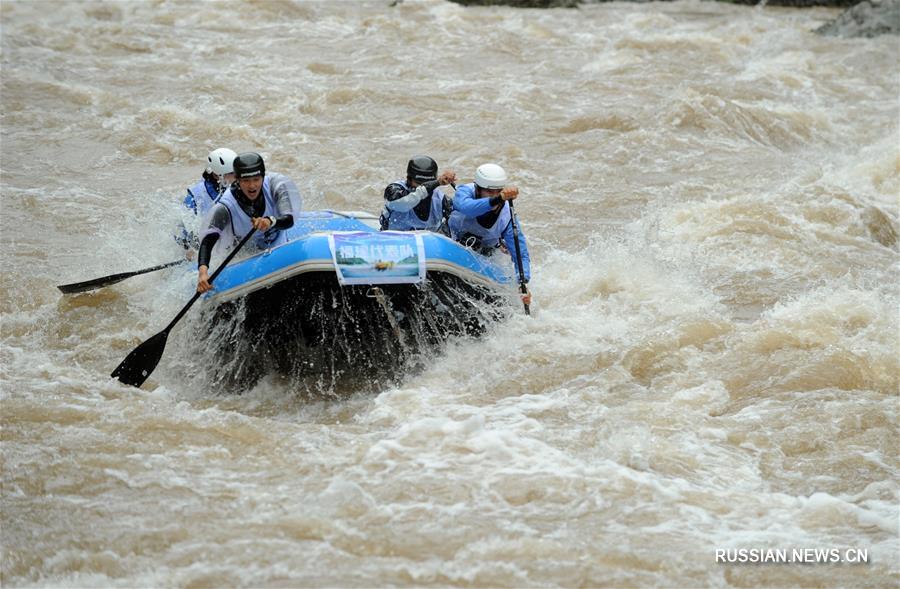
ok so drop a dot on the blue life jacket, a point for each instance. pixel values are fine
(394, 220)
(201, 197)
(472, 232)
(488, 238)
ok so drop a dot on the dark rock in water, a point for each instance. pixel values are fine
(866, 19)
(795, 3)
(862, 19)
(522, 3)
(576, 3)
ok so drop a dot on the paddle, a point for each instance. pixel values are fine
(522, 288)
(137, 366)
(111, 279)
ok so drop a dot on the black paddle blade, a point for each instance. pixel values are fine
(93, 284)
(142, 361)
(111, 279)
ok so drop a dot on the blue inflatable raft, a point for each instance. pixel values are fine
(342, 299)
(319, 237)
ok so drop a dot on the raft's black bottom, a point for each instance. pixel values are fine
(310, 328)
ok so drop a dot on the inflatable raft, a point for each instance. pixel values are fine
(342, 298)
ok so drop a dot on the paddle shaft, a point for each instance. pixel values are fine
(522, 285)
(221, 267)
(111, 279)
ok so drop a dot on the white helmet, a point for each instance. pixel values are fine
(490, 176)
(221, 161)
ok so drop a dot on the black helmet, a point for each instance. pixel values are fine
(421, 168)
(249, 164)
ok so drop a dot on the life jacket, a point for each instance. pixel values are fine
(241, 223)
(201, 197)
(483, 229)
(472, 233)
(410, 220)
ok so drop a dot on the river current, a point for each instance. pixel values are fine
(710, 194)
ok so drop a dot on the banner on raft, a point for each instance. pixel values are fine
(385, 257)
